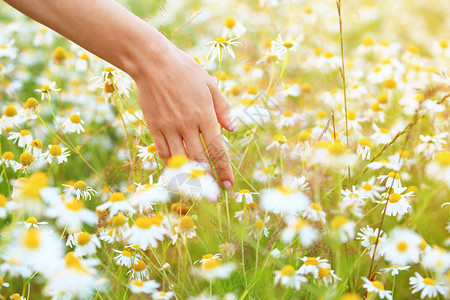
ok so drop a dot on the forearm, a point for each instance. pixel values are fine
(103, 27)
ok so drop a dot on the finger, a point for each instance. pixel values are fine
(195, 149)
(175, 143)
(161, 146)
(222, 108)
(218, 154)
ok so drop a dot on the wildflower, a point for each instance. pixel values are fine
(146, 287)
(245, 195)
(428, 286)
(260, 227)
(185, 229)
(289, 118)
(117, 203)
(381, 135)
(436, 259)
(47, 89)
(86, 244)
(162, 295)
(32, 222)
(301, 228)
(35, 147)
(279, 142)
(396, 202)
(147, 153)
(145, 198)
(333, 155)
(289, 277)
(391, 180)
(440, 167)
(5, 206)
(26, 160)
(80, 189)
(315, 213)
(56, 152)
(344, 228)
(395, 269)
(73, 124)
(364, 150)
(147, 231)
(112, 81)
(368, 237)
(327, 276)
(3, 283)
(31, 107)
(220, 43)
(284, 200)
(402, 247)
(378, 288)
(372, 190)
(11, 117)
(8, 160)
(126, 258)
(140, 270)
(233, 28)
(212, 267)
(71, 213)
(311, 265)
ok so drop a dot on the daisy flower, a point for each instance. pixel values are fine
(26, 160)
(116, 203)
(185, 229)
(22, 138)
(148, 195)
(279, 142)
(11, 117)
(327, 276)
(246, 195)
(344, 227)
(284, 200)
(311, 265)
(5, 206)
(71, 213)
(354, 196)
(35, 147)
(397, 203)
(31, 107)
(440, 167)
(147, 231)
(402, 247)
(368, 237)
(391, 180)
(372, 190)
(260, 227)
(47, 89)
(377, 287)
(126, 258)
(212, 267)
(315, 212)
(146, 287)
(289, 118)
(140, 270)
(289, 277)
(73, 124)
(301, 228)
(333, 155)
(395, 269)
(381, 135)
(363, 149)
(436, 259)
(56, 152)
(233, 28)
(32, 222)
(147, 153)
(220, 44)
(162, 295)
(86, 244)
(80, 189)
(429, 287)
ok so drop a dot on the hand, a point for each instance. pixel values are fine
(180, 101)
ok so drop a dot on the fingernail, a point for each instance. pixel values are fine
(233, 126)
(227, 185)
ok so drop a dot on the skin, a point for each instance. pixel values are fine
(180, 101)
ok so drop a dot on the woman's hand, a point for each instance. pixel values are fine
(180, 101)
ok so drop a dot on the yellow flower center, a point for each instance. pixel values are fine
(84, 56)
(367, 186)
(299, 224)
(365, 142)
(16, 297)
(151, 148)
(316, 206)
(186, 222)
(368, 41)
(220, 40)
(338, 222)
(443, 158)
(83, 238)
(305, 88)
(80, 185)
(126, 253)
(177, 160)
(285, 189)
(74, 262)
(304, 136)
(116, 197)
(390, 83)
(74, 205)
(146, 222)
(351, 115)
(252, 90)
(337, 148)
(244, 191)
(211, 264)
(324, 272)
(118, 221)
(429, 281)
(288, 44)
(59, 54)
(288, 113)
(394, 175)
(422, 245)
(31, 102)
(287, 270)
(207, 256)
(139, 266)
(413, 49)
(26, 159)
(108, 69)
(32, 238)
(45, 88)
(328, 54)
(24, 132)
(443, 44)
(8, 155)
(402, 246)
(384, 130)
(382, 98)
(378, 285)
(10, 111)
(3, 200)
(31, 220)
(230, 22)
(311, 261)
(394, 198)
(55, 150)
(75, 118)
(197, 173)
(36, 143)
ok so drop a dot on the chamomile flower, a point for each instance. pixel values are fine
(378, 288)
(185, 229)
(150, 194)
(397, 202)
(162, 295)
(221, 44)
(147, 231)
(368, 237)
(333, 155)
(140, 270)
(391, 180)
(11, 117)
(289, 277)
(436, 259)
(327, 276)
(246, 195)
(146, 287)
(315, 212)
(343, 227)
(279, 142)
(284, 200)
(5, 206)
(147, 153)
(79, 189)
(126, 258)
(71, 213)
(440, 167)
(312, 265)
(3, 283)
(86, 244)
(428, 286)
(32, 222)
(394, 269)
(212, 267)
(402, 247)
(302, 229)
(47, 89)
(364, 149)
(372, 190)
(26, 161)
(31, 107)
(117, 203)
(354, 195)
(35, 147)
(8, 160)
(381, 135)
(289, 118)
(73, 124)
(56, 153)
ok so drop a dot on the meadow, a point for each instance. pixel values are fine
(341, 159)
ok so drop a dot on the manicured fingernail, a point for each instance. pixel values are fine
(227, 185)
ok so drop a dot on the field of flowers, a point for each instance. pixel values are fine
(341, 160)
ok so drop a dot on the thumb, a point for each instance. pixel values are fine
(222, 108)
